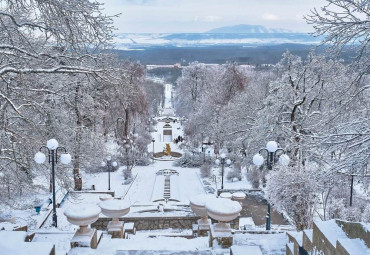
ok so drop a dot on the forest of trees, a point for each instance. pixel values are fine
(59, 78)
(58, 81)
(317, 109)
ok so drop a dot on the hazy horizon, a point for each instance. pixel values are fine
(199, 16)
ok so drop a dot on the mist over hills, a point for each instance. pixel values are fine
(247, 44)
(247, 29)
(242, 35)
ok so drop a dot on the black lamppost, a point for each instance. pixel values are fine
(204, 152)
(109, 165)
(271, 150)
(153, 141)
(127, 143)
(202, 140)
(52, 148)
(352, 180)
(222, 162)
(243, 150)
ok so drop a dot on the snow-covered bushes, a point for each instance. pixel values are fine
(294, 192)
(189, 160)
(253, 177)
(143, 161)
(205, 170)
(236, 172)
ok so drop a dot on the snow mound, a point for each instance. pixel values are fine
(354, 246)
(82, 211)
(200, 200)
(115, 204)
(223, 206)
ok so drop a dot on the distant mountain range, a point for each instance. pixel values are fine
(243, 35)
(247, 29)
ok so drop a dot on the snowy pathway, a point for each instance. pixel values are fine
(146, 186)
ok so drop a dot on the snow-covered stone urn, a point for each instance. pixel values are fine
(197, 204)
(223, 210)
(104, 197)
(115, 209)
(226, 195)
(83, 216)
(239, 196)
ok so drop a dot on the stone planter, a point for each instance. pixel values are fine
(239, 196)
(226, 195)
(197, 204)
(115, 209)
(223, 210)
(83, 216)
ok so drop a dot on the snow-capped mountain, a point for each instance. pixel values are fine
(244, 35)
(247, 29)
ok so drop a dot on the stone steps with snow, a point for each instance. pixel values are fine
(333, 237)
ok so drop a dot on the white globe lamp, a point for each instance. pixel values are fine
(40, 157)
(258, 159)
(65, 158)
(271, 146)
(52, 144)
(284, 160)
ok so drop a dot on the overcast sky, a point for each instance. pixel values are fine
(177, 16)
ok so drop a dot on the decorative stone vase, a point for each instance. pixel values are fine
(223, 210)
(83, 216)
(197, 204)
(105, 197)
(226, 195)
(115, 209)
(239, 196)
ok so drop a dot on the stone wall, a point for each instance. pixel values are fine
(321, 243)
(296, 246)
(341, 250)
(157, 222)
(307, 244)
(355, 230)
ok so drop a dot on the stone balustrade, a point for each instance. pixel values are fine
(158, 222)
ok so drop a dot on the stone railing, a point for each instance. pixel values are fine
(157, 222)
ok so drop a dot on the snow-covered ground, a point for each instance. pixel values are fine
(145, 187)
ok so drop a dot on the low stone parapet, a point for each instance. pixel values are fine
(158, 222)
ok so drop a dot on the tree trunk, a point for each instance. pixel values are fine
(127, 123)
(77, 153)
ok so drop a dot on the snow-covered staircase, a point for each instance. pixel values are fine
(331, 237)
(167, 187)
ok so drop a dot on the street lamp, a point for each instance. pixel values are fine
(109, 164)
(127, 145)
(243, 150)
(202, 133)
(153, 141)
(52, 147)
(204, 152)
(222, 162)
(271, 150)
